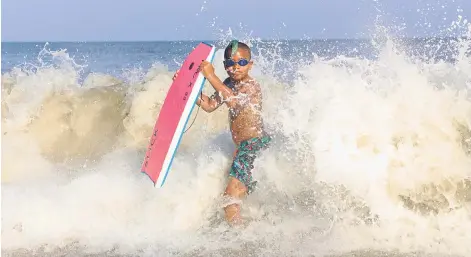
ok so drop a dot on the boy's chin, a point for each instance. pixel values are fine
(236, 77)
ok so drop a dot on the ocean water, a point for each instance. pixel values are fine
(371, 151)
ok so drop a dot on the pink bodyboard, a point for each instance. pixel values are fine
(174, 114)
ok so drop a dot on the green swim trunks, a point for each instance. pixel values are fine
(245, 156)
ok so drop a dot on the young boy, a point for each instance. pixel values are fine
(242, 95)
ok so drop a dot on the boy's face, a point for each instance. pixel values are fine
(233, 66)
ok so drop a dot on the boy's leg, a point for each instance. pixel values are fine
(236, 190)
(240, 175)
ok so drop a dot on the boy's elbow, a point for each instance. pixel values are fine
(207, 109)
(210, 109)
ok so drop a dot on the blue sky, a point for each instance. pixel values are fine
(125, 20)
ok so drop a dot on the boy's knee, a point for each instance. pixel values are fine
(235, 188)
(232, 200)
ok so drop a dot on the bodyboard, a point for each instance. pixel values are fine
(174, 114)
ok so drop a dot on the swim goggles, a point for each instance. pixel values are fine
(230, 62)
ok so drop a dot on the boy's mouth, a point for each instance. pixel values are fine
(234, 72)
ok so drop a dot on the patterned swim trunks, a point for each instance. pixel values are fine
(244, 158)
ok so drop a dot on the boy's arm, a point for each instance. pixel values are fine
(253, 92)
(207, 70)
(226, 92)
(209, 104)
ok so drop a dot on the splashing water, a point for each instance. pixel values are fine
(368, 154)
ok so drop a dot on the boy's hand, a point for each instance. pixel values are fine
(206, 69)
(175, 75)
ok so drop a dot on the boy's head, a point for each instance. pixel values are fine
(237, 60)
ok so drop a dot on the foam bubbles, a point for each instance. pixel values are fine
(367, 154)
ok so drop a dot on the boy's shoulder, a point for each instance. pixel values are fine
(251, 87)
(252, 83)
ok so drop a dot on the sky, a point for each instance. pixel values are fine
(149, 20)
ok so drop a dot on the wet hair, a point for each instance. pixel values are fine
(240, 45)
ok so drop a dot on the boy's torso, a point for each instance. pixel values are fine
(245, 121)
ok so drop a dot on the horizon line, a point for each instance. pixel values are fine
(216, 40)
